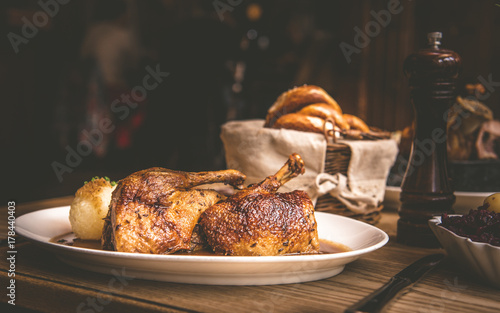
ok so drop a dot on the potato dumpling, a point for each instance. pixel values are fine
(90, 207)
(493, 202)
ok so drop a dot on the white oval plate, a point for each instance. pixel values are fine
(41, 226)
(465, 201)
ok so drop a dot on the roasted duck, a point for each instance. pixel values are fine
(260, 221)
(156, 210)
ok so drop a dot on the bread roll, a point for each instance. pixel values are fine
(303, 122)
(295, 99)
(325, 112)
(356, 123)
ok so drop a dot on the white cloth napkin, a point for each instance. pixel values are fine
(259, 152)
(364, 187)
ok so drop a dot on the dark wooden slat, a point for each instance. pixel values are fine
(42, 276)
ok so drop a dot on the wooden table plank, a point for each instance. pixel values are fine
(39, 268)
(48, 285)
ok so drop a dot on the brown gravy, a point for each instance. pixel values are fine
(69, 239)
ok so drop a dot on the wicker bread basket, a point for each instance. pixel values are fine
(257, 151)
(337, 160)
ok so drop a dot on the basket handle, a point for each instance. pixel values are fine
(326, 132)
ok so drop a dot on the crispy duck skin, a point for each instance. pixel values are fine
(259, 221)
(156, 210)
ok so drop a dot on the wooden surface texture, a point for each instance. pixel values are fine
(45, 284)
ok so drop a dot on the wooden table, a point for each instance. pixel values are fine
(45, 284)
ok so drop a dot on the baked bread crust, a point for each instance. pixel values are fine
(325, 112)
(303, 122)
(356, 123)
(297, 98)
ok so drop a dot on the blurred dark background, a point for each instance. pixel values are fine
(163, 76)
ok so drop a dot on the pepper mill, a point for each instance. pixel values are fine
(426, 190)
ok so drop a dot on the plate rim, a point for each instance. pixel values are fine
(198, 258)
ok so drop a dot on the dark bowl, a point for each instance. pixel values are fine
(476, 175)
(472, 176)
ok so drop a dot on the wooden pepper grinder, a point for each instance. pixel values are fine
(426, 188)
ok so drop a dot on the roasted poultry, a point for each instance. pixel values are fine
(156, 210)
(260, 221)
